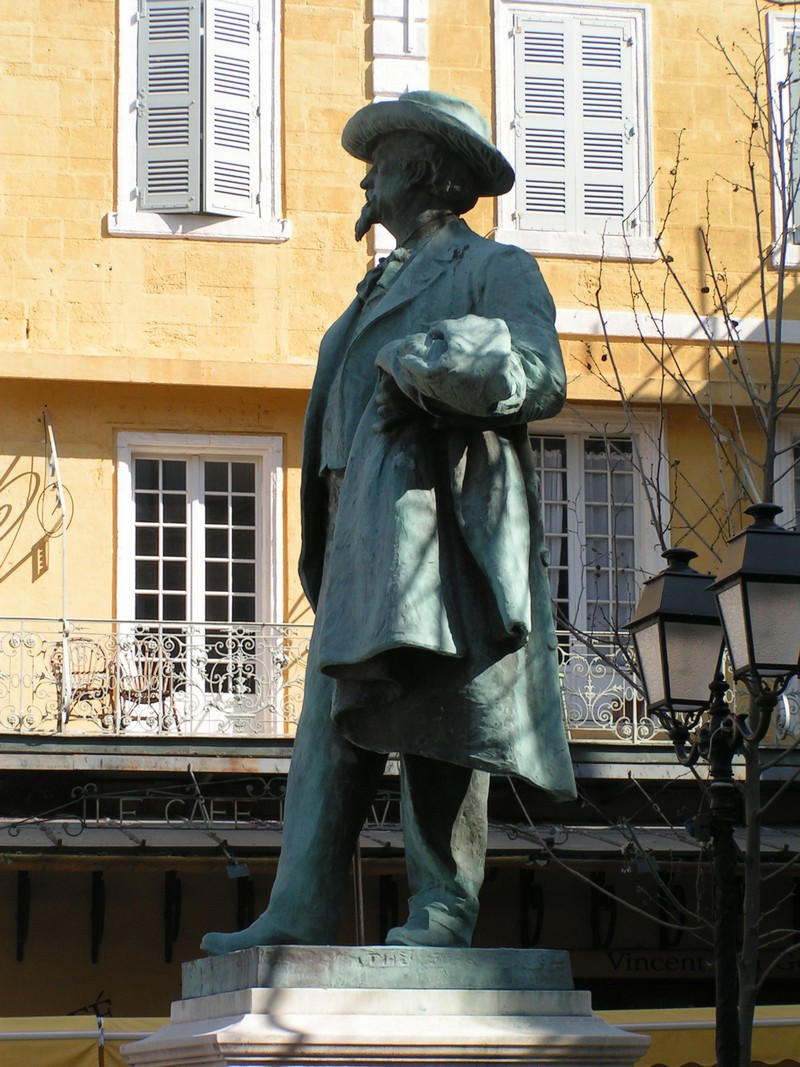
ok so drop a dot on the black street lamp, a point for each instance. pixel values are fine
(678, 640)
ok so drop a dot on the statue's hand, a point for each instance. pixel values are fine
(392, 404)
(464, 364)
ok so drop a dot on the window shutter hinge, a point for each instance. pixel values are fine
(629, 42)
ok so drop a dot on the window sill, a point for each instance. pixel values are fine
(792, 254)
(581, 245)
(197, 227)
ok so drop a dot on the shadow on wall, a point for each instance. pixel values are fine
(29, 518)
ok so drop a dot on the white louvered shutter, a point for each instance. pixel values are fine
(231, 108)
(576, 126)
(545, 197)
(168, 126)
(606, 157)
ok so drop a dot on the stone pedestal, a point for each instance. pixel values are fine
(381, 1006)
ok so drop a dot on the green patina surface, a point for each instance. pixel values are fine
(377, 967)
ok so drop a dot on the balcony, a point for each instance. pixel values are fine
(142, 680)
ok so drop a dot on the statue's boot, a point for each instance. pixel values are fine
(330, 788)
(433, 927)
(445, 834)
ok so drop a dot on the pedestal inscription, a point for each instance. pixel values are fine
(378, 1007)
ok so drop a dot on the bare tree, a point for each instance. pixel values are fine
(740, 389)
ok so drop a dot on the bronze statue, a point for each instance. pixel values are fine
(423, 548)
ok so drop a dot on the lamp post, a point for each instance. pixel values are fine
(679, 642)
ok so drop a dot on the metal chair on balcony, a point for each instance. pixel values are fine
(144, 678)
(86, 680)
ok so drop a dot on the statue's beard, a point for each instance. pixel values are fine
(367, 219)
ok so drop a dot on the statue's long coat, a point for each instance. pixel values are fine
(431, 592)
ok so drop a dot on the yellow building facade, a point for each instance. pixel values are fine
(176, 214)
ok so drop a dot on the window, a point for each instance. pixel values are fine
(597, 524)
(784, 76)
(572, 115)
(198, 130)
(787, 472)
(199, 570)
(589, 498)
(207, 503)
(601, 544)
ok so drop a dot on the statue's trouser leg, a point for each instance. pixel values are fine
(445, 834)
(330, 787)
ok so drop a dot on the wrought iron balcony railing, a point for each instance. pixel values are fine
(143, 679)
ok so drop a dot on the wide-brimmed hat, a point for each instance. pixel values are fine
(453, 122)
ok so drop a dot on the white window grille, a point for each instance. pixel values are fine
(199, 572)
(601, 544)
(589, 496)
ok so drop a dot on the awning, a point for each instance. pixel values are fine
(68, 835)
(69, 1041)
(679, 1037)
(682, 1036)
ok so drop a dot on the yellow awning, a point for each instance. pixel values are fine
(686, 1035)
(678, 1036)
(71, 1041)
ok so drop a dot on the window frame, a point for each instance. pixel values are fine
(267, 450)
(779, 28)
(127, 220)
(562, 243)
(577, 425)
(786, 439)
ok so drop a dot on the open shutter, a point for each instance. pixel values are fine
(231, 108)
(168, 127)
(575, 124)
(545, 194)
(605, 115)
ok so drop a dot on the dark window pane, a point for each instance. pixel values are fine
(243, 477)
(146, 606)
(217, 543)
(217, 577)
(174, 505)
(217, 609)
(146, 574)
(147, 507)
(244, 511)
(244, 544)
(244, 609)
(175, 541)
(596, 454)
(175, 575)
(175, 606)
(216, 477)
(216, 511)
(145, 474)
(244, 578)
(173, 473)
(147, 541)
